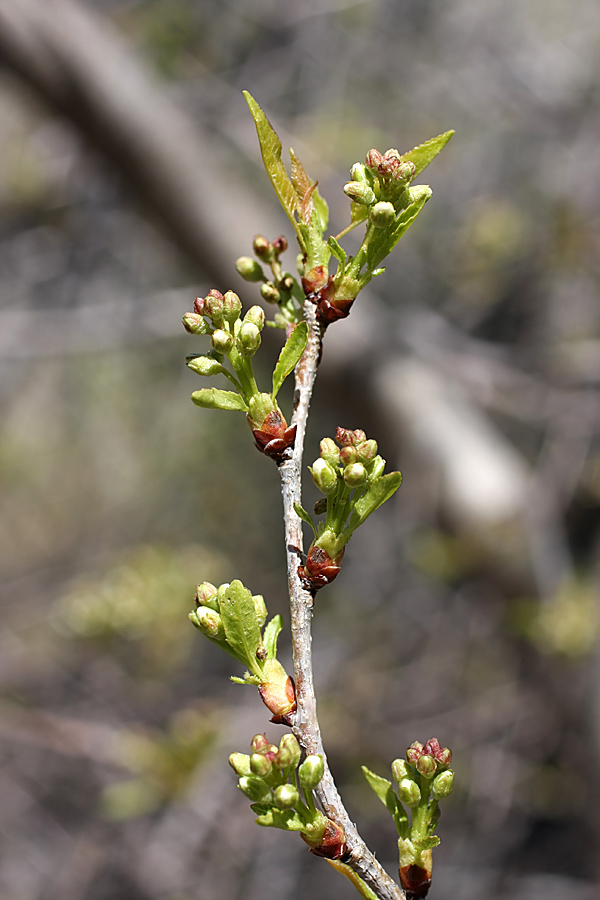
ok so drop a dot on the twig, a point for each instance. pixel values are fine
(306, 725)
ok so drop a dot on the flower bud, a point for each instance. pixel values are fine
(346, 437)
(286, 796)
(348, 455)
(400, 769)
(376, 468)
(359, 192)
(255, 315)
(249, 338)
(260, 608)
(249, 269)
(206, 595)
(409, 792)
(254, 788)
(444, 756)
(232, 307)
(355, 475)
(426, 766)
(280, 245)
(374, 159)
(414, 753)
(200, 306)
(383, 214)
(329, 451)
(269, 292)
(366, 451)
(204, 365)
(359, 173)
(222, 341)
(195, 324)
(259, 743)
(260, 765)
(311, 772)
(404, 172)
(324, 476)
(213, 305)
(262, 248)
(209, 622)
(240, 763)
(443, 784)
(289, 749)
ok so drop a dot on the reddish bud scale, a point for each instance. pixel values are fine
(319, 569)
(280, 700)
(415, 881)
(332, 844)
(274, 438)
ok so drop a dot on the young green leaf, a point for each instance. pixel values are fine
(270, 148)
(339, 253)
(309, 197)
(384, 790)
(423, 154)
(291, 352)
(247, 679)
(213, 398)
(305, 516)
(427, 843)
(241, 627)
(270, 635)
(286, 819)
(376, 494)
(381, 245)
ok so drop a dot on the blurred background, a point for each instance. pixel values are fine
(130, 180)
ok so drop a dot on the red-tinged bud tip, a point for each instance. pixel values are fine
(332, 844)
(415, 882)
(199, 305)
(259, 743)
(319, 569)
(262, 247)
(346, 437)
(280, 245)
(414, 753)
(373, 159)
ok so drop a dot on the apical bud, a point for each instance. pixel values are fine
(195, 324)
(256, 316)
(280, 245)
(206, 595)
(263, 248)
(311, 772)
(290, 746)
(329, 451)
(255, 789)
(324, 476)
(400, 769)
(269, 292)
(409, 792)
(347, 437)
(249, 269)
(286, 796)
(232, 307)
(443, 784)
(222, 341)
(383, 214)
(249, 338)
(240, 763)
(359, 192)
(355, 475)
(426, 766)
(260, 765)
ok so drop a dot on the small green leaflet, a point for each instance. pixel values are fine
(383, 788)
(291, 352)
(423, 154)
(213, 398)
(381, 247)
(339, 253)
(376, 494)
(241, 628)
(286, 819)
(305, 516)
(270, 635)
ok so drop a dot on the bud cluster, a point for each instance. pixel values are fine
(281, 789)
(281, 287)
(234, 618)
(349, 472)
(236, 340)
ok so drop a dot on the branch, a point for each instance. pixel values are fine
(306, 725)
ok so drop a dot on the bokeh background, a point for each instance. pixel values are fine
(130, 180)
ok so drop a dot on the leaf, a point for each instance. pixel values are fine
(291, 352)
(286, 819)
(381, 246)
(339, 253)
(213, 398)
(307, 188)
(423, 154)
(270, 148)
(427, 843)
(305, 516)
(247, 679)
(384, 790)
(376, 494)
(241, 627)
(270, 635)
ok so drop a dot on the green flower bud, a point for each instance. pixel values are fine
(286, 796)
(359, 192)
(419, 192)
(269, 292)
(204, 365)
(404, 172)
(400, 769)
(259, 743)
(329, 451)
(358, 172)
(348, 455)
(240, 763)
(232, 307)
(213, 305)
(409, 792)
(443, 784)
(311, 772)
(222, 341)
(324, 476)
(256, 315)
(206, 595)
(383, 214)
(355, 475)
(290, 746)
(249, 269)
(376, 468)
(209, 622)
(260, 608)
(366, 451)
(249, 338)
(255, 789)
(195, 324)
(427, 766)
(263, 248)
(261, 765)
